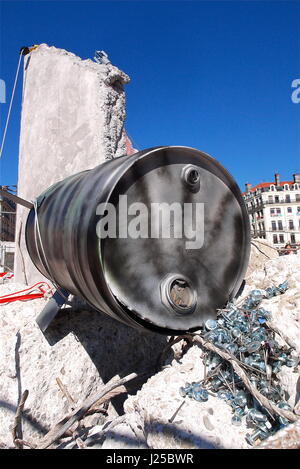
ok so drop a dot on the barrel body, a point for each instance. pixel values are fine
(158, 240)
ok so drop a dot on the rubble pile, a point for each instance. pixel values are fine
(244, 332)
(208, 423)
(83, 351)
(87, 349)
(260, 252)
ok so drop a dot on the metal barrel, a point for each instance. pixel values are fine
(158, 240)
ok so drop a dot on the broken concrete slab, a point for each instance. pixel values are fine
(73, 114)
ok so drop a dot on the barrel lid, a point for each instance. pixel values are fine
(180, 244)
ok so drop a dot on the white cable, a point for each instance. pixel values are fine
(10, 106)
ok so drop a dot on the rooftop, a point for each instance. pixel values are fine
(267, 184)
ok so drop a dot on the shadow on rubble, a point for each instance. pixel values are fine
(114, 348)
(297, 398)
(12, 408)
(159, 434)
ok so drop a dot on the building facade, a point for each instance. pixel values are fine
(274, 210)
(7, 218)
(7, 232)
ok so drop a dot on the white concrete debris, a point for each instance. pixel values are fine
(197, 425)
(260, 252)
(285, 309)
(98, 348)
(73, 114)
(89, 348)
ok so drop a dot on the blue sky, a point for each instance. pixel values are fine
(211, 75)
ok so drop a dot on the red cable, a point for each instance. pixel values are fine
(22, 298)
(29, 296)
(29, 288)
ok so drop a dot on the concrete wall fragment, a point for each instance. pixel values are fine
(73, 114)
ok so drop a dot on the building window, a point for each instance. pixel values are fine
(281, 238)
(286, 187)
(278, 210)
(293, 238)
(288, 198)
(291, 225)
(280, 227)
(296, 187)
(298, 209)
(275, 239)
(276, 199)
(289, 209)
(272, 211)
(273, 225)
(272, 188)
(297, 197)
(270, 199)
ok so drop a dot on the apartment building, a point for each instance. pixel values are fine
(7, 218)
(274, 210)
(7, 232)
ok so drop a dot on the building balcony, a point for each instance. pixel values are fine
(280, 202)
(260, 207)
(258, 235)
(282, 230)
(255, 209)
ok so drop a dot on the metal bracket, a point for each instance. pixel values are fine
(52, 308)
